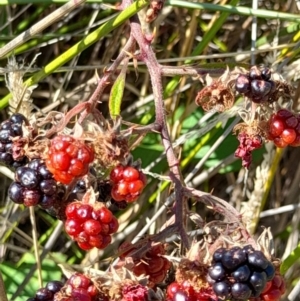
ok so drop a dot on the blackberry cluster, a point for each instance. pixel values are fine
(9, 129)
(90, 226)
(127, 183)
(47, 293)
(240, 273)
(256, 85)
(247, 145)
(68, 158)
(80, 287)
(284, 128)
(34, 185)
(152, 264)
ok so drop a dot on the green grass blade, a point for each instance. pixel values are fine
(81, 46)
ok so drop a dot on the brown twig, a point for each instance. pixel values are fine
(3, 296)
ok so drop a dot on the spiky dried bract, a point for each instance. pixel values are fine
(110, 148)
(194, 272)
(217, 95)
(282, 90)
(20, 101)
(154, 9)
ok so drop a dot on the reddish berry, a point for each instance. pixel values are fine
(68, 158)
(116, 174)
(113, 225)
(92, 227)
(105, 215)
(96, 241)
(73, 227)
(172, 289)
(288, 135)
(130, 174)
(276, 127)
(128, 183)
(79, 281)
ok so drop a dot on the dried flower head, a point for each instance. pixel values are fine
(217, 95)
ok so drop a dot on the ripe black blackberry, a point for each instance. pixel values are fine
(256, 85)
(47, 293)
(240, 273)
(34, 185)
(9, 129)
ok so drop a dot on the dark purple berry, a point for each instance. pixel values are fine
(240, 291)
(266, 73)
(35, 164)
(43, 295)
(221, 289)
(260, 88)
(31, 299)
(217, 257)
(44, 172)
(233, 258)
(254, 73)
(48, 187)
(248, 249)
(241, 274)
(258, 260)
(5, 136)
(242, 84)
(6, 158)
(258, 281)
(16, 130)
(27, 177)
(217, 271)
(47, 201)
(15, 192)
(54, 286)
(270, 271)
(18, 118)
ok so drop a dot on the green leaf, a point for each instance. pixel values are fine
(14, 275)
(116, 93)
(290, 260)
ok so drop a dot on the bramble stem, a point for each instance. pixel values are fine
(147, 55)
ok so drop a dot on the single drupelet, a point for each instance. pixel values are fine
(239, 273)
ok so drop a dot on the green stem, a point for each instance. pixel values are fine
(81, 46)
